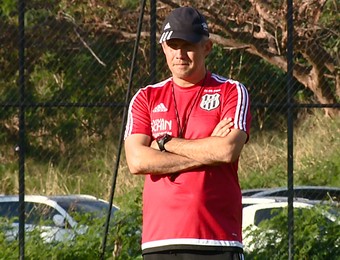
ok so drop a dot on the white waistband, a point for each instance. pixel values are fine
(191, 241)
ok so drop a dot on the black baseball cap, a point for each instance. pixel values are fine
(184, 23)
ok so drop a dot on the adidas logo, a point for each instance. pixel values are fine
(160, 108)
(165, 36)
(167, 26)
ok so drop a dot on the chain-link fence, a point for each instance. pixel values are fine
(68, 69)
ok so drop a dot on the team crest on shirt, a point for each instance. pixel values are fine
(210, 101)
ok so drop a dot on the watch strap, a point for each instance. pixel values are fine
(162, 140)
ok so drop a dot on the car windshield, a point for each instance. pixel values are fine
(312, 193)
(95, 208)
(35, 212)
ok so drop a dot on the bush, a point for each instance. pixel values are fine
(315, 236)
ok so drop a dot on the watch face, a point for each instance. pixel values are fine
(160, 137)
(167, 138)
(164, 137)
(162, 140)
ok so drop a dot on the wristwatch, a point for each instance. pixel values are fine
(162, 140)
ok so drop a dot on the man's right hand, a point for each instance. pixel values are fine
(223, 128)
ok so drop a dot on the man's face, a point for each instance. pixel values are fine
(186, 60)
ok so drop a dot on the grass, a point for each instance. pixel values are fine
(263, 164)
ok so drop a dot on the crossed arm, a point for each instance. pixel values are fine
(223, 146)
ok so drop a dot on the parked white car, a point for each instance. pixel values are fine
(249, 201)
(52, 215)
(256, 210)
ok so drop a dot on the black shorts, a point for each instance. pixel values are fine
(193, 255)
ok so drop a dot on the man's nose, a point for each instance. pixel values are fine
(179, 53)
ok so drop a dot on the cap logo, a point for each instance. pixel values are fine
(167, 26)
(165, 36)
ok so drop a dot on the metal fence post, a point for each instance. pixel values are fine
(21, 147)
(290, 126)
(153, 41)
(121, 136)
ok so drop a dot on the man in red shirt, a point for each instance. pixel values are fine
(185, 134)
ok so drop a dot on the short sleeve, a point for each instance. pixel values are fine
(138, 120)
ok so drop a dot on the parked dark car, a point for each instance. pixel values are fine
(307, 192)
(250, 192)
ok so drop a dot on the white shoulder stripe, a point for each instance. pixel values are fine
(218, 78)
(240, 120)
(129, 122)
(242, 107)
(159, 84)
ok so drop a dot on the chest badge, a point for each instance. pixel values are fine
(210, 101)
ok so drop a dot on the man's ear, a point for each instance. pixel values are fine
(208, 47)
(162, 44)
